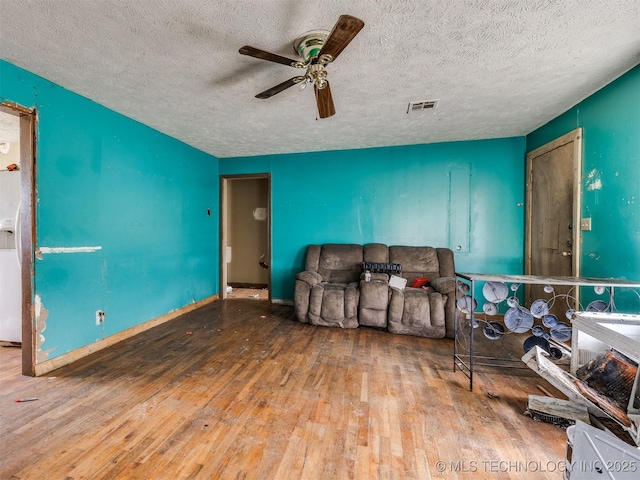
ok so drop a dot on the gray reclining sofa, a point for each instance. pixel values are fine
(333, 291)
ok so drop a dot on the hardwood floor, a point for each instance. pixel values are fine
(239, 390)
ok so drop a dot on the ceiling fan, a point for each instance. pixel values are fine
(317, 49)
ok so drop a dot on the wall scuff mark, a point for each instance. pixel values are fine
(594, 182)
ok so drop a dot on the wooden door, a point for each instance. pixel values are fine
(553, 210)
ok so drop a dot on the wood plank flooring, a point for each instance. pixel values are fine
(239, 390)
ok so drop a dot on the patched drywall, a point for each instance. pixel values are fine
(41, 315)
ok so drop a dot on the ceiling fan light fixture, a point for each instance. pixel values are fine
(303, 84)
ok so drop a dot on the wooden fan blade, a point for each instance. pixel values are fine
(280, 87)
(345, 29)
(271, 57)
(324, 101)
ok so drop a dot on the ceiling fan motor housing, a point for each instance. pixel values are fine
(309, 44)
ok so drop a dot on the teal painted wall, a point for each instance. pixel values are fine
(610, 120)
(466, 194)
(106, 181)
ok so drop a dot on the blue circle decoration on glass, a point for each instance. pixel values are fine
(537, 330)
(515, 287)
(513, 302)
(561, 332)
(599, 289)
(463, 288)
(490, 308)
(518, 320)
(539, 308)
(493, 330)
(548, 289)
(495, 292)
(597, 306)
(555, 353)
(465, 305)
(533, 341)
(569, 313)
(549, 320)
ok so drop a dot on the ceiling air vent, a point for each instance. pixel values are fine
(415, 107)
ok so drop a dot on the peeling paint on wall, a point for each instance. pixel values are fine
(594, 182)
(68, 249)
(41, 325)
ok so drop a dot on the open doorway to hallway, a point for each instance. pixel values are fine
(245, 236)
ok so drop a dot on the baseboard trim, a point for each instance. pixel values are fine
(70, 357)
(282, 301)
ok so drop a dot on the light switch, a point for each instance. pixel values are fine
(585, 224)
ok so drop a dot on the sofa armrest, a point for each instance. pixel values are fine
(444, 285)
(310, 278)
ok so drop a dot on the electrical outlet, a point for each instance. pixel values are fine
(585, 224)
(99, 317)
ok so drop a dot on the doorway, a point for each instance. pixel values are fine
(553, 214)
(17, 227)
(245, 236)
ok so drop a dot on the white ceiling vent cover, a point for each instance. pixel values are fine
(415, 107)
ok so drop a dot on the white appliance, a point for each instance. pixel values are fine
(10, 296)
(10, 277)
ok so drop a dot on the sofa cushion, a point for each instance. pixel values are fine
(416, 262)
(376, 252)
(340, 263)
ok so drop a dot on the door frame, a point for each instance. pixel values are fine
(28, 119)
(574, 136)
(224, 221)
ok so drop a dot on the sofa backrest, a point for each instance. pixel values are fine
(447, 263)
(426, 262)
(342, 263)
(376, 253)
(335, 262)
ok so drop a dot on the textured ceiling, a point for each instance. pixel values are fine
(497, 68)
(9, 128)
